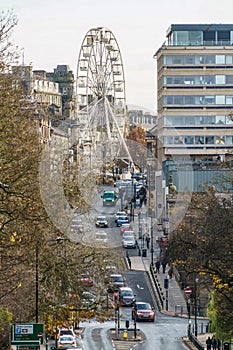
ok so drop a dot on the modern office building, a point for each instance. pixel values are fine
(195, 93)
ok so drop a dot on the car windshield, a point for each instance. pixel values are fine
(117, 278)
(129, 238)
(65, 338)
(127, 293)
(128, 234)
(101, 218)
(145, 306)
(109, 195)
(100, 236)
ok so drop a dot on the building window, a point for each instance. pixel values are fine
(209, 140)
(229, 140)
(220, 140)
(220, 119)
(209, 37)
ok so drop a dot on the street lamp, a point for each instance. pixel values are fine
(151, 235)
(195, 306)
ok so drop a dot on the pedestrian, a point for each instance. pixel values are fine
(170, 272)
(147, 242)
(208, 343)
(164, 264)
(157, 265)
(214, 343)
(218, 344)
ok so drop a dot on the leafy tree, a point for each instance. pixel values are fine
(202, 246)
(137, 134)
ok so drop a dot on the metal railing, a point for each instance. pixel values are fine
(157, 286)
(195, 341)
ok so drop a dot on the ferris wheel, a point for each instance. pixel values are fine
(100, 90)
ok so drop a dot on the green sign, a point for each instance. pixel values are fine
(24, 333)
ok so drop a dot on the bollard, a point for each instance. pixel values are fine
(125, 334)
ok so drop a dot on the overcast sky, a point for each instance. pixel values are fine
(51, 33)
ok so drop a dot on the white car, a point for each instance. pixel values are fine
(101, 221)
(66, 341)
(101, 237)
(128, 234)
(129, 242)
(120, 214)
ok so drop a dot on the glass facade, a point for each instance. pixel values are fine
(198, 120)
(199, 140)
(198, 100)
(198, 79)
(197, 59)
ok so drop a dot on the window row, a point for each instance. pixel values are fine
(197, 79)
(198, 100)
(197, 59)
(199, 37)
(198, 140)
(197, 120)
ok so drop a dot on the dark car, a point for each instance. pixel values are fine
(143, 311)
(126, 296)
(116, 282)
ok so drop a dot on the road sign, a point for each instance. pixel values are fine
(26, 334)
(188, 291)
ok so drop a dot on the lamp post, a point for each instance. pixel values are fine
(135, 323)
(195, 306)
(37, 281)
(151, 235)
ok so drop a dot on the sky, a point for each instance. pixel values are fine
(51, 32)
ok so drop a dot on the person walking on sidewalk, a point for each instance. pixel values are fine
(218, 344)
(208, 343)
(170, 272)
(147, 242)
(157, 265)
(214, 343)
(164, 264)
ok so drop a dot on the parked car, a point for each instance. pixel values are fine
(116, 282)
(129, 242)
(122, 220)
(126, 296)
(101, 221)
(86, 280)
(66, 341)
(119, 214)
(143, 311)
(88, 300)
(125, 227)
(129, 234)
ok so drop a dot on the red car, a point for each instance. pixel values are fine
(143, 311)
(125, 227)
(87, 280)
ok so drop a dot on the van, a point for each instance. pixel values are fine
(109, 198)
